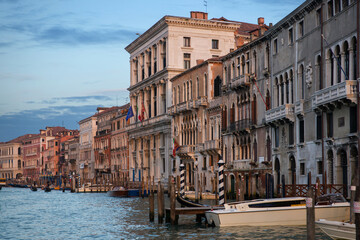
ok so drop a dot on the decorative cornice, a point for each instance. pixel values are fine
(167, 21)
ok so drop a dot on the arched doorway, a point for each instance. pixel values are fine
(342, 171)
(277, 174)
(232, 186)
(354, 164)
(330, 157)
(292, 170)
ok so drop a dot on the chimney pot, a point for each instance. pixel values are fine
(198, 15)
(261, 21)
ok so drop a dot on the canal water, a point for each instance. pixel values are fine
(56, 215)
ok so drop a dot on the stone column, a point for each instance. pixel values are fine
(351, 63)
(335, 69)
(327, 73)
(343, 67)
(152, 101)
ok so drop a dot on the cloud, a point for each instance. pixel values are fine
(75, 36)
(31, 121)
(73, 99)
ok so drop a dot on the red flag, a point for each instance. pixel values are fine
(175, 147)
(142, 116)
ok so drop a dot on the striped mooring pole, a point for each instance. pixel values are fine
(221, 182)
(182, 180)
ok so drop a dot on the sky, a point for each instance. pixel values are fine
(61, 59)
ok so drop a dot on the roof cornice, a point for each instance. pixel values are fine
(167, 21)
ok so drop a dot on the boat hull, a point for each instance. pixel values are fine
(124, 193)
(337, 230)
(269, 217)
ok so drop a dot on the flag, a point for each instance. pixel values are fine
(142, 116)
(130, 113)
(175, 147)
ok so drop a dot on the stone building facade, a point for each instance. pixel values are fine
(11, 159)
(119, 145)
(88, 128)
(169, 47)
(196, 122)
(314, 77)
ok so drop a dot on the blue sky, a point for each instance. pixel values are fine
(61, 59)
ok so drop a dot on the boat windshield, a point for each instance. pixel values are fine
(289, 203)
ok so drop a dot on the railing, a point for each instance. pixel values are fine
(202, 101)
(299, 107)
(152, 120)
(239, 81)
(199, 147)
(215, 102)
(240, 125)
(300, 190)
(212, 145)
(186, 149)
(282, 112)
(346, 89)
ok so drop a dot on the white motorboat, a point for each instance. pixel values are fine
(278, 211)
(337, 230)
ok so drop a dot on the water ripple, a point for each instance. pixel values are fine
(58, 215)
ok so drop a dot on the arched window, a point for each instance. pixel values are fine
(347, 60)
(354, 58)
(319, 70)
(253, 110)
(217, 86)
(197, 88)
(302, 77)
(268, 100)
(338, 57)
(206, 85)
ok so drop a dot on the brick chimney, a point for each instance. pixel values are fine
(261, 21)
(199, 61)
(199, 15)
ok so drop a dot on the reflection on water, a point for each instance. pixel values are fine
(57, 215)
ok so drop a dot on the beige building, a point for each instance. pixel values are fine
(88, 128)
(196, 122)
(11, 160)
(169, 47)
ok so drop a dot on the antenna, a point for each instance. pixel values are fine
(205, 4)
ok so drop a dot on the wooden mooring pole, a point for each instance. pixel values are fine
(173, 219)
(151, 203)
(310, 214)
(160, 196)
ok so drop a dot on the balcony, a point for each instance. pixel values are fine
(186, 151)
(299, 107)
(158, 119)
(335, 96)
(212, 147)
(202, 101)
(217, 102)
(199, 147)
(239, 82)
(240, 127)
(280, 115)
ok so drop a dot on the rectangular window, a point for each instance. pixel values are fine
(353, 120)
(186, 41)
(291, 36)
(291, 134)
(215, 44)
(318, 17)
(330, 9)
(319, 167)
(318, 127)
(187, 60)
(277, 137)
(275, 46)
(329, 125)
(301, 28)
(301, 131)
(302, 169)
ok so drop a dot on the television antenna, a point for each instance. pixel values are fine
(205, 4)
